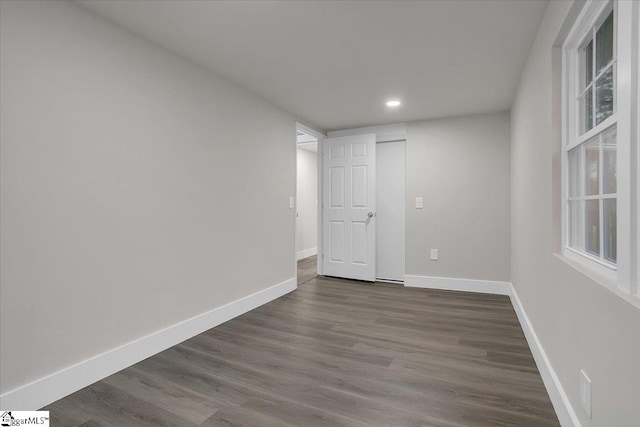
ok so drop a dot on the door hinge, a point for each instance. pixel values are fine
(322, 256)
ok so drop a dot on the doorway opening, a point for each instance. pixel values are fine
(306, 205)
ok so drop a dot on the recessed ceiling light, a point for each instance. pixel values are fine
(393, 103)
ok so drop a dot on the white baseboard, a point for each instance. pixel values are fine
(54, 386)
(565, 412)
(453, 284)
(306, 253)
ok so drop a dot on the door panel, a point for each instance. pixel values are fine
(359, 186)
(337, 186)
(359, 242)
(337, 243)
(349, 195)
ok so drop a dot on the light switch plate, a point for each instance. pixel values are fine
(585, 392)
(419, 203)
(291, 202)
(434, 254)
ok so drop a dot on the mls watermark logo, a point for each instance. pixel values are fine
(24, 418)
(6, 418)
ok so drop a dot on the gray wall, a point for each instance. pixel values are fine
(580, 324)
(130, 180)
(460, 166)
(307, 207)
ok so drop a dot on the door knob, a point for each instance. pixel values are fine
(370, 214)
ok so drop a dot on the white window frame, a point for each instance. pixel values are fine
(635, 273)
(623, 274)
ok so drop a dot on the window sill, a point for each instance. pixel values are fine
(604, 281)
(592, 264)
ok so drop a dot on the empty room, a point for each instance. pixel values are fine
(320, 213)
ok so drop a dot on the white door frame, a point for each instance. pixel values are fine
(316, 133)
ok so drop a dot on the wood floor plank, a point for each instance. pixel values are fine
(121, 408)
(235, 416)
(334, 352)
(64, 413)
(95, 422)
(190, 406)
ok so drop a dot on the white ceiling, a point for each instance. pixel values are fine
(334, 64)
(309, 146)
(307, 142)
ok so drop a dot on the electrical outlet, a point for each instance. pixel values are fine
(585, 392)
(434, 254)
(292, 202)
(419, 202)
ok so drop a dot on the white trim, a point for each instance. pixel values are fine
(565, 412)
(392, 281)
(591, 12)
(636, 129)
(384, 133)
(598, 265)
(567, 121)
(561, 404)
(320, 206)
(604, 281)
(625, 87)
(306, 253)
(58, 384)
(309, 130)
(455, 284)
(297, 126)
(595, 131)
(320, 136)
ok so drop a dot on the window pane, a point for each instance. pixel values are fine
(575, 173)
(604, 96)
(604, 43)
(588, 64)
(592, 167)
(586, 106)
(610, 232)
(576, 209)
(592, 227)
(610, 162)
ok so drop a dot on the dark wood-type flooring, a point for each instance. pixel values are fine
(334, 353)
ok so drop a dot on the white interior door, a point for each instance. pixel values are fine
(390, 177)
(349, 206)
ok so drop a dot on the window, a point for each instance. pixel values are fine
(598, 132)
(591, 152)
